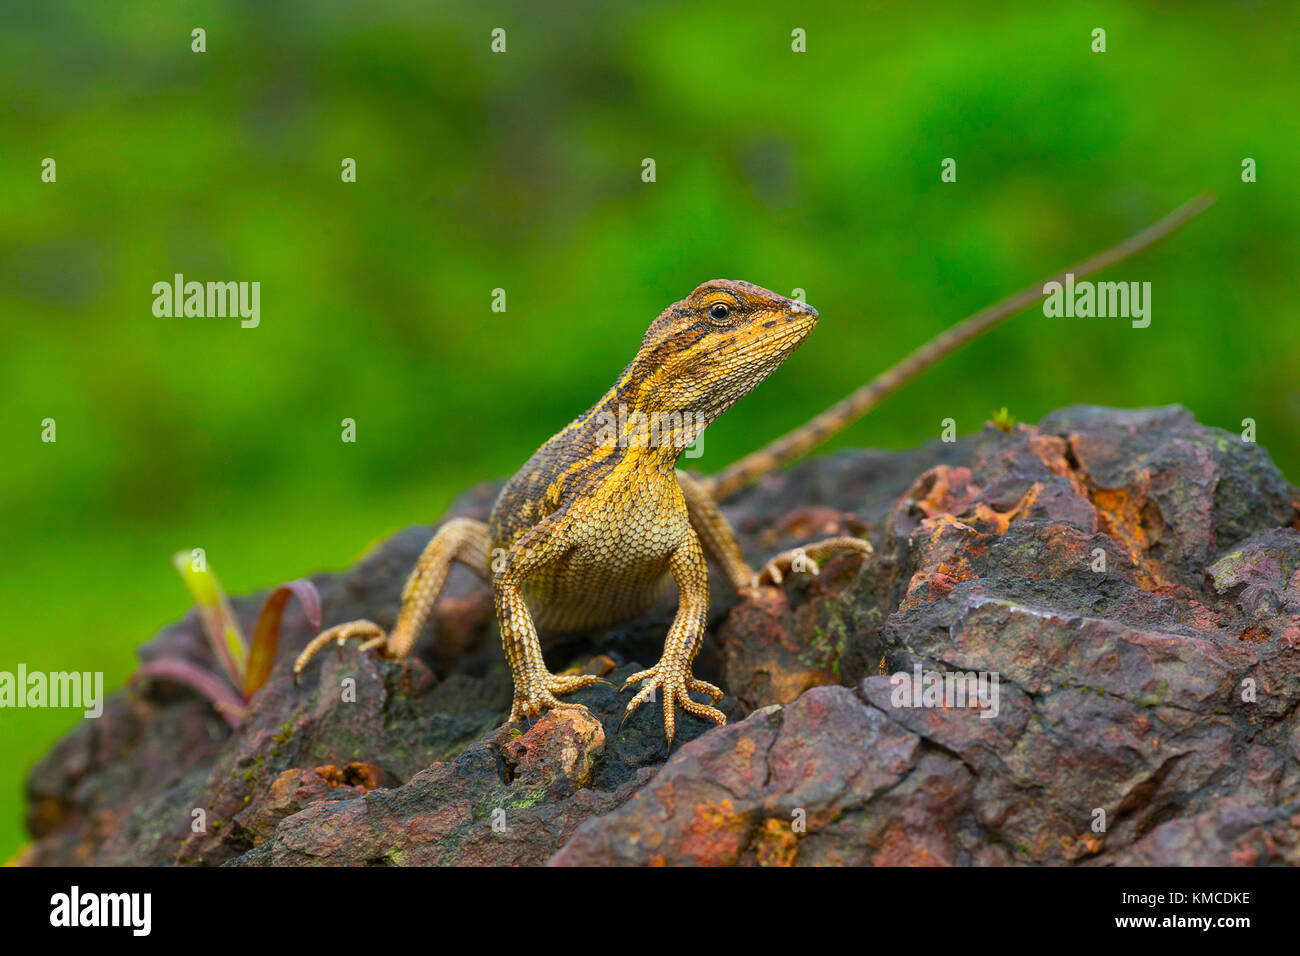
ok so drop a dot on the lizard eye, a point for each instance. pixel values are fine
(719, 311)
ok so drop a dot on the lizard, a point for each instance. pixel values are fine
(599, 523)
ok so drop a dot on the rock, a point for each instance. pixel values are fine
(781, 788)
(512, 798)
(1122, 588)
(1261, 576)
(1232, 832)
(509, 803)
(557, 753)
(775, 649)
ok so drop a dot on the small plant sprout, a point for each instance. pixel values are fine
(247, 666)
(1002, 420)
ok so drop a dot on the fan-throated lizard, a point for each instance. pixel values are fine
(599, 522)
(597, 525)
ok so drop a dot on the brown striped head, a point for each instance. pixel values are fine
(709, 350)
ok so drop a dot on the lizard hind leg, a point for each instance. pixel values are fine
(459, 540)
(719, 541)
(805, 558)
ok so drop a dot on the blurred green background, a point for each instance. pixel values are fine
(522, 171)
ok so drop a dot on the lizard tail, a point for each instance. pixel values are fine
(845, 412)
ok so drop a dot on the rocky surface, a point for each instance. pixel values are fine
(1131, 580)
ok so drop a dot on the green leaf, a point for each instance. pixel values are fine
(219, 622)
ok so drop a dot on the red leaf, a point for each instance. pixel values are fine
(261, 656)
(220, 694)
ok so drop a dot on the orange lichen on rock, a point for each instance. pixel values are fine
(943, 490)
(1054, 452)
(777, 844)
(984, 517)
(947, 541)
(715, 834)
(1133, 520)
(355, 774)
(1086, 844)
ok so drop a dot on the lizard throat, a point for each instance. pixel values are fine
(655, 434)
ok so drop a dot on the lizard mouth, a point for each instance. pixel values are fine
(788, 338)
(797, 326)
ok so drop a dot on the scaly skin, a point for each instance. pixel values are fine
(594, 527)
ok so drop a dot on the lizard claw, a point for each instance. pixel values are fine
(534, 693)
(372, 637)
(673, 677)
(801, 560)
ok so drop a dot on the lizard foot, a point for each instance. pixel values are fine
(805, 558)
(672, 675)
(372, 637)
(533, 694)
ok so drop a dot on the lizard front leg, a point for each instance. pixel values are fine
(672, 675)
(460, 539)
(535, 686)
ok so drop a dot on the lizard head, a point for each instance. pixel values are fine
(707, 351)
